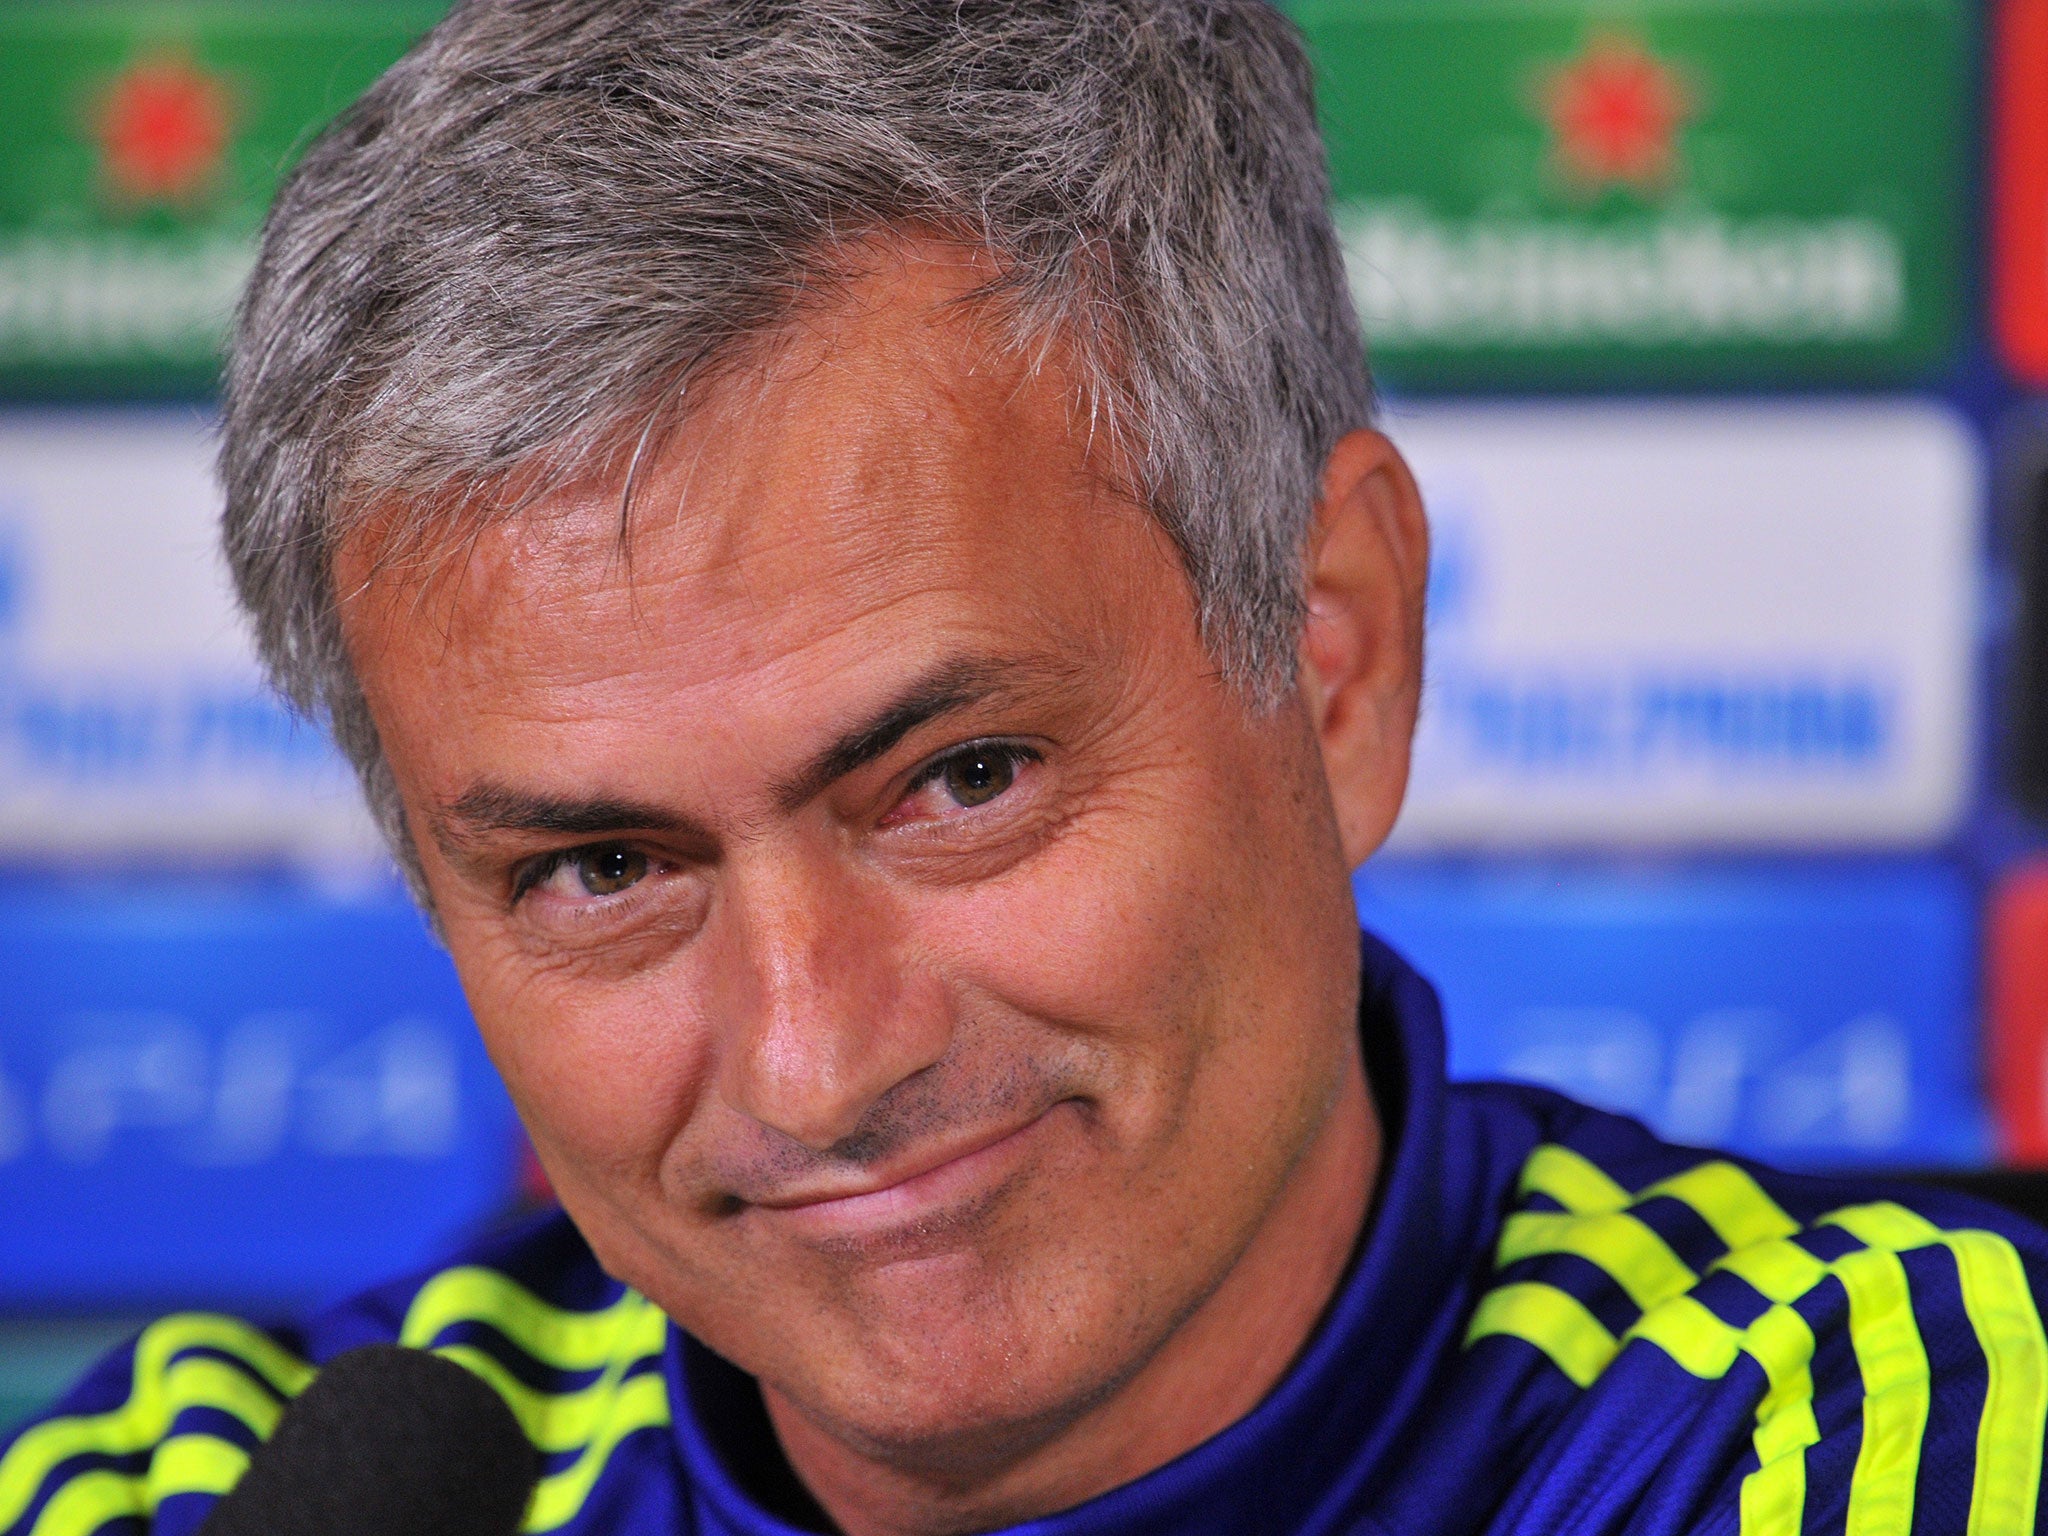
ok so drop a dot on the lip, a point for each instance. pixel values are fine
(935, 1184)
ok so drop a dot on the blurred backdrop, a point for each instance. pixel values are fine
(1710, 327)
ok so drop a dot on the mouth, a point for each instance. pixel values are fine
(942, 1182)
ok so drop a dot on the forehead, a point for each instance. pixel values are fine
(890, 456)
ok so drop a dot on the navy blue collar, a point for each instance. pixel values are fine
(1319, 1440)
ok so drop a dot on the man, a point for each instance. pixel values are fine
(846, 542)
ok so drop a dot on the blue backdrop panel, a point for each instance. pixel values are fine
(1810, 1017)
(232, 1095)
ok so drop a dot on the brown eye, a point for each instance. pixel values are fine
(608, 870)
(978, 775)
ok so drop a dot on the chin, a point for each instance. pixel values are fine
(963, 1389)
(960, 1424)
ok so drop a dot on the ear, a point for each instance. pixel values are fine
(1361, 651)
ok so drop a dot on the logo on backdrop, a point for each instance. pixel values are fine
(1614, 112)
(163, 128)
(204, 1092)
(1694, 625)
(1718, 191)
(269, 1085)
(141, 164)
(132, 713)
(1807, 1017)
(1758, 1077)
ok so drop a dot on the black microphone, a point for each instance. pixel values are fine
(386, 1440)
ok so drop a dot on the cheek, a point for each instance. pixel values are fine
(604, 1070)
(1111, 932)
(1191, 929)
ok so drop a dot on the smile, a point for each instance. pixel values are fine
(930, 1185)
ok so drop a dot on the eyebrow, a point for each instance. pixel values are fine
(489, 807)
(951, 685)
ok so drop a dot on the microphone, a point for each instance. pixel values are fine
(393, 1441)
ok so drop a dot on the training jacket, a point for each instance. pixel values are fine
(1555, 1323)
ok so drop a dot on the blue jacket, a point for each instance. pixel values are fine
(1556, 1323)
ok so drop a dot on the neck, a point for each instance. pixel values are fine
(1211, 1371)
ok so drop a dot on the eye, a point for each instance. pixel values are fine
(977, 775)
(602, 869)
(964, 779)
(607, 871)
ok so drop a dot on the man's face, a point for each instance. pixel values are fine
(918, 970)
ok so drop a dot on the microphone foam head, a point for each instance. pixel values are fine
(391, 1440)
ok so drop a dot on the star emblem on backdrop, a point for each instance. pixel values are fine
(1614, 111)
(163, 127)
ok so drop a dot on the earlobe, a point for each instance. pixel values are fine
(1361, 660)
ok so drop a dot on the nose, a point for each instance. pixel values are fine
(828, 1015)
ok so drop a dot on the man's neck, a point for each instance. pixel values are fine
(1213, 1370)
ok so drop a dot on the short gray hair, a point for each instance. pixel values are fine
(545, 224)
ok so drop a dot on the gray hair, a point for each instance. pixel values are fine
(502, 269)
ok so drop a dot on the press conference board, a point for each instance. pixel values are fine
(1707, 625)
(133, 716)
(1555, 192)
